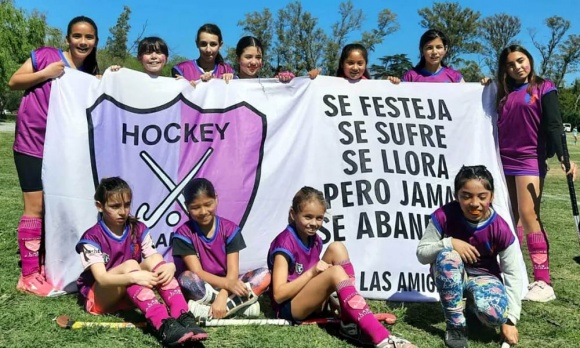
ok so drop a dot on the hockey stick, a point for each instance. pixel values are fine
(65, 322)
(384, 317)
(571, 189)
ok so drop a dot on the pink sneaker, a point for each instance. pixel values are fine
(540, 291)
(37, 285)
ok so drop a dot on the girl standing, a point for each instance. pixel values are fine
(433, 47)
(462, 243)
(302, 282)
(249, 52)
(209, 246)
(153, 54)
(34, 77)
(210, 63)
(525, 100)
(121, 267)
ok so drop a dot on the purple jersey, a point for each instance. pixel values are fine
(444, 74)
(191, 71)
(212, 252)
(301, 257)
(31, 120)
(522, 145)
(115, 249)
(489, 239)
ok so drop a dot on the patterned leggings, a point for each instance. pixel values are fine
(194, 288)
(486, 294)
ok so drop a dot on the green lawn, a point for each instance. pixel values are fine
(27, 321)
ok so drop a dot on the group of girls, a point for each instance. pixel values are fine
(461, 242)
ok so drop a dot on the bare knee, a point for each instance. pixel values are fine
(336, 251)
(129, 266)
(337, 274)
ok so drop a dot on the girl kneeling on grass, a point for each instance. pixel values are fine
(302, 282)
(462, 243)
(122, 267)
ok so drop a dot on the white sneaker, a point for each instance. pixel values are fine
(540, 291)
(252, 311)
(395, 342)
(199, 310)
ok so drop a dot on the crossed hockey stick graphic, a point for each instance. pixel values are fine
(174, 190)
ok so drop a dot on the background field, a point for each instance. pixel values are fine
(27, 321)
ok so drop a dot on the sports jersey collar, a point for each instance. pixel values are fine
(297, 237)
(111, 234)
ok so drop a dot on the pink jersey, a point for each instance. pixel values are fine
(444, 74)
(191, 71)
(31, 120)
(522, 144)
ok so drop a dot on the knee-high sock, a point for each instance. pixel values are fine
(349, 269)
(449, 281)
(539, 253)
(354, 308)
(29, 238)
(172, 296)
(145, 299)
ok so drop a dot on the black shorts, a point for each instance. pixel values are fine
(285, 311)
(29, 170)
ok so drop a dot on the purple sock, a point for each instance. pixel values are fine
(353, 307)
(520, 234)
(145, 299)
(539, 253)
(172, 296)
(29, 236)
(348, 269)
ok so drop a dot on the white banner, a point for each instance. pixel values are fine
(384, 155)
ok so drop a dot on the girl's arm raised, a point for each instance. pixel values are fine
(25, 77)
(284, 290)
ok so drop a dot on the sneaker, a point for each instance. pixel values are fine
(237, 303)
(252, 311)
(173, 333)
(455, 338)
(198, 310)
(37, 285)
(187, 320)
(540, 291)
(351, 331)
(395, 342)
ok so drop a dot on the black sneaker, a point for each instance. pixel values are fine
(187, 320)
(173, 333)
(352, 332)
(455, 338)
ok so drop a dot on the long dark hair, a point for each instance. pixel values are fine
(346, 52)
(505, 82)
(116, 186)
(213, 29)
(90, 64)
(428, 36)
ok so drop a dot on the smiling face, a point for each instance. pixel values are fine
(434, 51)
(202, 210)
(475, 199)
(81, 41)
(250, 62)
(153, 62)
(209, 46)
(115, 211)
(354, 65)
(518, 66)
(309, 219)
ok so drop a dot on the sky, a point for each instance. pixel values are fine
(177, 21)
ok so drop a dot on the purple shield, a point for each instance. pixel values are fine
(157, 151)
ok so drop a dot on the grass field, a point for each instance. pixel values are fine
(27, 321)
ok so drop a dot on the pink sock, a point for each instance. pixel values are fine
(147, 302)
(520, 234)
(539, 253)
(29, 236)
(348, 269)
(172, 296)
(354, 308)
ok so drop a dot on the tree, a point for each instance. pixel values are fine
(117, 43)
(260, 25)
(568, 58)
(395, 65)
(460, 25)
(471, 71)
(558, 27)
(386, 25)
(497, 32)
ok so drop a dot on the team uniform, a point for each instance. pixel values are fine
(31, 122)
(529, 129)
(191, 71)
(444, 74)
(300, 259)
(99, 245)
(492, 301)
(212, 254)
